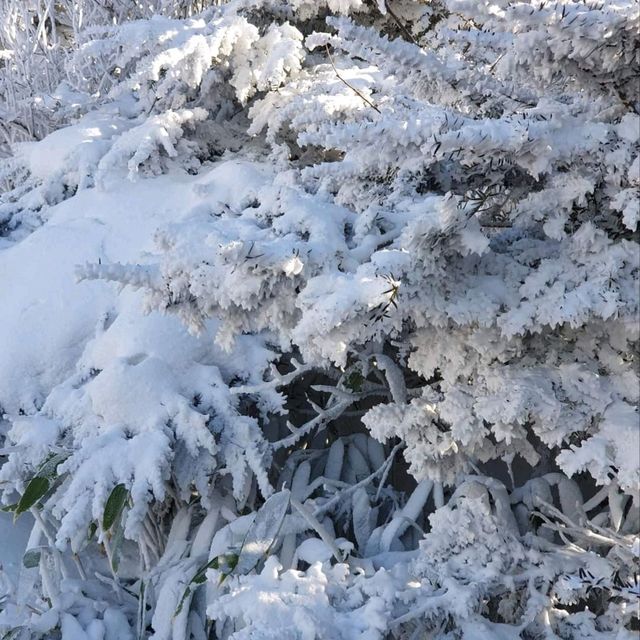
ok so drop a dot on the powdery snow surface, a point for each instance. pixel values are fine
(59, 327)
(82, 144)
(53, 316)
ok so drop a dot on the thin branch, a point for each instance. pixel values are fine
(401, 26)
(588, 531)
(373, 106)
(277, 380)
(327, 415)
(343, 494)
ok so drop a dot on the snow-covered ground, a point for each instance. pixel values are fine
(51, 316)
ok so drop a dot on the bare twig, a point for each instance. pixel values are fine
(401, 26)
(373, 106)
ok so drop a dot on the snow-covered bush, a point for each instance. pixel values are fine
(37, 38)
(371, 367)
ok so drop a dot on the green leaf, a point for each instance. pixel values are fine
(34, 491)
(116, 545)
(232, 560)
(93, 527)
(201, 574)
(10, 507)
(354, 381)
(185, 595)
(199, 578)
(114, 506)
(31, 558)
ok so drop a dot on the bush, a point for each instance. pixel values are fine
(403, 239)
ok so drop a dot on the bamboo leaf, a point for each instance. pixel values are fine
(31, 558)
(114, 506)
(49, 468)
(34, 491)
(263, 531)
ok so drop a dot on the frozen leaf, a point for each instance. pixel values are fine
(263, 532)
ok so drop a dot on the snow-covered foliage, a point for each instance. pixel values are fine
(321, 319)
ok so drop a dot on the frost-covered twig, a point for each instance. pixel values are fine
(134, 275)
(360, 94)
(588, 531)
(325, 416)
(341, 495)
(277, 380)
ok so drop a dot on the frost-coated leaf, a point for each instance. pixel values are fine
(49, 467)
(116, 544)
(570, 496)
(571, 500)
(319, 528)
(409, 512)
(287, 550)
(204, 535)
(357, 462)
(362, 517)
(176, 543)
(198, 578)
(263, 532)
(360, 441)
(333, 467)
(300, 480)
(141, 612)
(375, 452)
(114, 506)
(31, 558)
(35, 490)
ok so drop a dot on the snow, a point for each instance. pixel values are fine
(52, 317)
(340, 299)
(82, 144)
